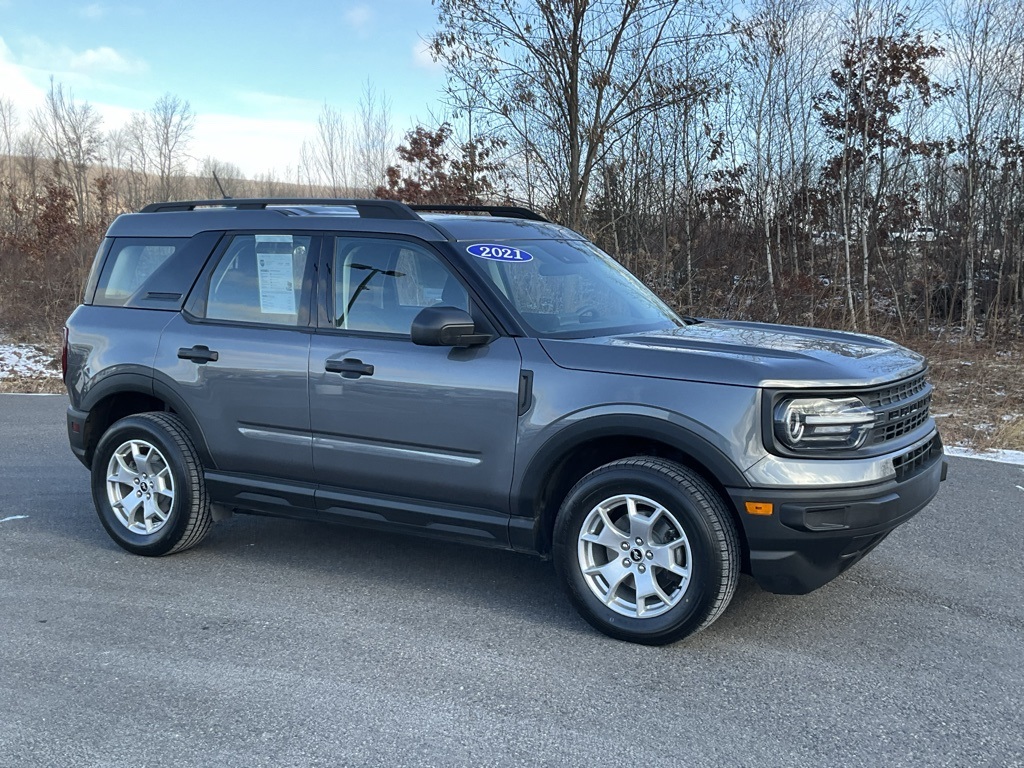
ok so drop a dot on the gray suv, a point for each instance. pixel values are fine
(482, 375)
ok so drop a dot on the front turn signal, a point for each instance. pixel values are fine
(759, 507)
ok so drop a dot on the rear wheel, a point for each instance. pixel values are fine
(647, 550)
(147, 485)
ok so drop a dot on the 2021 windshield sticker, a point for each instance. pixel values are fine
(499, 253)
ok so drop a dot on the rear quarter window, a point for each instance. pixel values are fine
(132, 264)
(261, 278)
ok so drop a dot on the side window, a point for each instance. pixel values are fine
(381, 285)
(130, 264)
(259, 279)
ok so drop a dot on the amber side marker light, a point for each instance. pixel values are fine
(759, 507)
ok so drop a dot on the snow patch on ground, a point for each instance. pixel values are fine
(25, 360)
(1004, 457)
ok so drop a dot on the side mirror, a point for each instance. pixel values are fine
(446, 327)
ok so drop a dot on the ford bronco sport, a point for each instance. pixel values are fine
(490, 378)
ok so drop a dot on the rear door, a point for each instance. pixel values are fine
(238, 358)
(413, 435)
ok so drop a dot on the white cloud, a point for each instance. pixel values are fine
(421, 57)
(358, 17)
(113, 116)
(39, 54)
(255, 145)
(27, 96)
(105, 59)
(16, 85)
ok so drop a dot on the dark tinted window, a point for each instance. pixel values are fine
(131, 264)
(259, 279)
(381, 285)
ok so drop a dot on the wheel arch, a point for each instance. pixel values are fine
(586, 445)
(126, 394)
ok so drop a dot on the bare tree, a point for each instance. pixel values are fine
(374, 138)
(115, 152)
(217, 179)
(762, 50)
(71, 132)
(326, 158)
(8, 178)
(136, 160)
(570, 78)
(984, 40)
(8, 136)
(882, 68)
(30, 150)
(170, 124)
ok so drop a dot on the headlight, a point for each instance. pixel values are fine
(822, 423)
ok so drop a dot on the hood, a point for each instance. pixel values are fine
(743, 354)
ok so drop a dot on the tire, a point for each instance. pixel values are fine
(148, 487)
(647, 550)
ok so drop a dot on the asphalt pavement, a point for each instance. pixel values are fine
(281, 643)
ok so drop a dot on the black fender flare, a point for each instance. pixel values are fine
(137, 380)
(127, 380)
(147, 382)
(559, 445)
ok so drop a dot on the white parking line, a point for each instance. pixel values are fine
(14, 517)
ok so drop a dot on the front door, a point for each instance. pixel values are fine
(413, 435)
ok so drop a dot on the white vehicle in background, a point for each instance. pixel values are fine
(825, 237)
(919, 234)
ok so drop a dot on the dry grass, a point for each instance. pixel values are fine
(39, 385)
(979, 393)
(978, 400)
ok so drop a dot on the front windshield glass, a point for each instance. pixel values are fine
(569, 288)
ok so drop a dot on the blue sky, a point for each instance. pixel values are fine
(256, 73)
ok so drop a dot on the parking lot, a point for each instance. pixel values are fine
(282, 643)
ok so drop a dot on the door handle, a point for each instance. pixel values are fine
(349, 368)
(198, 354)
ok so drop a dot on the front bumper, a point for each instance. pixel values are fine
(814, 534)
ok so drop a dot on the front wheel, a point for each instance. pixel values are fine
(148, 487)
(647, 550)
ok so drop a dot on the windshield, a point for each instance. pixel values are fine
(569, 288)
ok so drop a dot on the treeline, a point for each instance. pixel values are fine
(856, 164)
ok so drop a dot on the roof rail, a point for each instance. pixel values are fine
(368, 209)
(511, 211)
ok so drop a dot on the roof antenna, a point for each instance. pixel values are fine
(220, 186)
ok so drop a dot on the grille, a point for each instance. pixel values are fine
(901, 408)
(911, 462)
(895, 393)
(901, 420)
